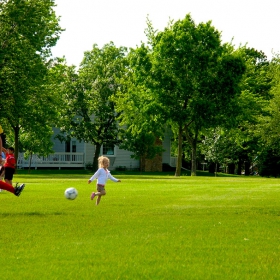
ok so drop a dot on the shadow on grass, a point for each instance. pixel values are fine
(78, 172)
(32, 214)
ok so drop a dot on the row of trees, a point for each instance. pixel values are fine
(220, 102)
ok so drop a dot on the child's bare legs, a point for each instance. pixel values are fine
(99, 195)
(98, 199)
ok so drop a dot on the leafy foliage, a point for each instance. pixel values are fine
(194, 78)
(139, 117)
(269, 163)
(89, 111)
(28, 30)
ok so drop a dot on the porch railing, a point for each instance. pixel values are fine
(59, 160)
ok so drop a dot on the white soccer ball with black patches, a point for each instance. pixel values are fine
(71, 193)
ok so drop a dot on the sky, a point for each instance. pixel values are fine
(88, 22)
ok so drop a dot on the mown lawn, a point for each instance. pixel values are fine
(149, 226)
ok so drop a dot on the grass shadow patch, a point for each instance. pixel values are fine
(35, 213)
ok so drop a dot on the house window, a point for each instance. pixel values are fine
(67, 146)
(108, 149)
(74, 147)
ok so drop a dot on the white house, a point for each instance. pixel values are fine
(75, 154)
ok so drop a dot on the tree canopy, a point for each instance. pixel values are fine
(194, 78)
(28, 31)
(220, 102)
(89, 108)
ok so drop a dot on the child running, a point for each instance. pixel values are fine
(102, 175)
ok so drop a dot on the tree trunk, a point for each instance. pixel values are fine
(193, 170)
(193, 143)
(96, 156)
(142, 163)
(216, 169)
(30, 160)
(239, 167)
(16, 131)
(180, 152)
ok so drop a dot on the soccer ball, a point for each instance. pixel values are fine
(71, 193)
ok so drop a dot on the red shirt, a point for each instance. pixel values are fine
(10, 161)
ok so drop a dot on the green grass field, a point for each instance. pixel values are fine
(146, 227)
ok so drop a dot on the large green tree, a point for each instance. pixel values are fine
(28, 31)
(141, 128)
(268, 128)
(89, 111)
(269, 124)
(240, 138)
(195, 77)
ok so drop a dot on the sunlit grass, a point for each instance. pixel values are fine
(146, 227)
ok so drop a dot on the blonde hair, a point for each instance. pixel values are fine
(102, 160)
